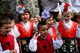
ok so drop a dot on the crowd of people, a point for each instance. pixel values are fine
(53, 28)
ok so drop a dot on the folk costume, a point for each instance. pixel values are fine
(42, 45)
(8, 43)
(25, 30)
(53, 33)
(68, 32)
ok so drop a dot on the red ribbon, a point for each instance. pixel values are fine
(66, 7)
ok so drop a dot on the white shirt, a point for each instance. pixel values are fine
(16, 47)
(68, 25)
(78, 31)
(56, 26)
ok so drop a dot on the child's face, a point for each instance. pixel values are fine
(36, 19)
(25, 17)
(50, 21)
(12, 23)
(43, 30)
(5, 29)
(67, 16)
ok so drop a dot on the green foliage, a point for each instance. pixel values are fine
(4, 6)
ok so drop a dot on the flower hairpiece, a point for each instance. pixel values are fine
(45, 14)
(20, 8)
(66, 7)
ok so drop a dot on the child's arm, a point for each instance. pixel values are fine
(16, 47)
(58, 42)
(1, 50)
(33, 43)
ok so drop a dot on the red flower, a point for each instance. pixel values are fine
(22, 5)
(20, 8)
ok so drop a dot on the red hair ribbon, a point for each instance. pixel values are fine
(66, 7)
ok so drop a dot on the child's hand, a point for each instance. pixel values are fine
(13, 51)
(12, 23)
(59, 36)
(36, 34)
(32, 19)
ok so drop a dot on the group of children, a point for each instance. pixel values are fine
(40, 34)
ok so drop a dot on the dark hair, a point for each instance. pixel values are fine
(10, 15)
(25, 11)
(78, 15)
(4, 19)
(41, 23)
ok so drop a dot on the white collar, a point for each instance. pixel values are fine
(67, 25)
(26, 25)
(70, 22)
(56, 24)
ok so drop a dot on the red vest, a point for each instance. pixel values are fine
(23, 32)
(7, 42)
(45, 45)
(67, 33)
(54, 33)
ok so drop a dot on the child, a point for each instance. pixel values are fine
(53, 31)
(25, 28)
(43, 43)
(67, 29)
(50, 21)
(78, 32)
(8, 43)
(45, 37)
